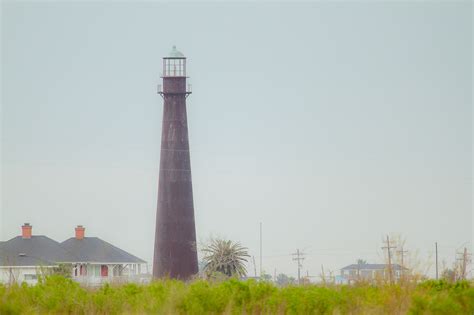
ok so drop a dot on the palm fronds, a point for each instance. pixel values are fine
(226, 257)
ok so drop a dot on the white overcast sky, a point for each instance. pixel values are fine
(333, 123)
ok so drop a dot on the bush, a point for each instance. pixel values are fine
(59, 295)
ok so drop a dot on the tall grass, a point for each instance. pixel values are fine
(57, 295)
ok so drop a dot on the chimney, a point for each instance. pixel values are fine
(80, 232)
(26, 231)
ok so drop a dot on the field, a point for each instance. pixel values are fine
(57, 295)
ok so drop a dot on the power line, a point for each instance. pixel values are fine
(388, 248)
(299, 258)
(402, 255)
(465, 259)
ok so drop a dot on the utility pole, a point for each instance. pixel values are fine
(254, 266)
(436, 250)
(261, 248)
(402, 254)
(388, 247)
(465, 260)
(323, 275)
(299, 258)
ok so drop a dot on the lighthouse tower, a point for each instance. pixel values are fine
(175, 253)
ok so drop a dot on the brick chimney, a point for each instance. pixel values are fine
(26, 231)
(80, 232)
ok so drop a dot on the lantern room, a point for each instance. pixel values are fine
(175, 64)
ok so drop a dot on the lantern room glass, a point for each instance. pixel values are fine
(174, 67)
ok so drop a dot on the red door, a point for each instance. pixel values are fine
(104, 271)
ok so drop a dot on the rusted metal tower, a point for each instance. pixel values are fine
(175, 253)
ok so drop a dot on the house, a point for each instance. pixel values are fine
(24, 257)
(369, 272)
(92, 260)
(98, 261)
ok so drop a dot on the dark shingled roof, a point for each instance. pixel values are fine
(38, 250)
(93, 249)
(372, 267)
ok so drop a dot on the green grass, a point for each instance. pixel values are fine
(57, 295)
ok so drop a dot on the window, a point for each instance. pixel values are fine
(104, 271)
(174, 67)
(96, 270)
(31, 277)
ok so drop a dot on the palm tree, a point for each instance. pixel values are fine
(226, 257)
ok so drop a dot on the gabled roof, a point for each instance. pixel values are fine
(93, 249)
(38, 250)
(372, 267)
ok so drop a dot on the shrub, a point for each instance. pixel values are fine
(59, 295)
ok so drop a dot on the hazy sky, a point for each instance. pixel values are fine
(332, 123)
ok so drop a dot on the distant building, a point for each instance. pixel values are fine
(92, 260)
(368, 272)
(24, 258)
(98, 261)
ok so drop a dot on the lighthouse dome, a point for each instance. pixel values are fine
(174, 53)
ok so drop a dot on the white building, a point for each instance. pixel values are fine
(24, 258)
(92, 260)
(369, 272)
(98, 261)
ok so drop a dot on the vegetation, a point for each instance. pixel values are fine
(64, 270)
(226, 257)
(283, 280)
(59, 295)
(265, 276)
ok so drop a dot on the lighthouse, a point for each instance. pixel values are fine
(175, 254)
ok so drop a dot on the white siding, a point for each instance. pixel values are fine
(20, 274)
